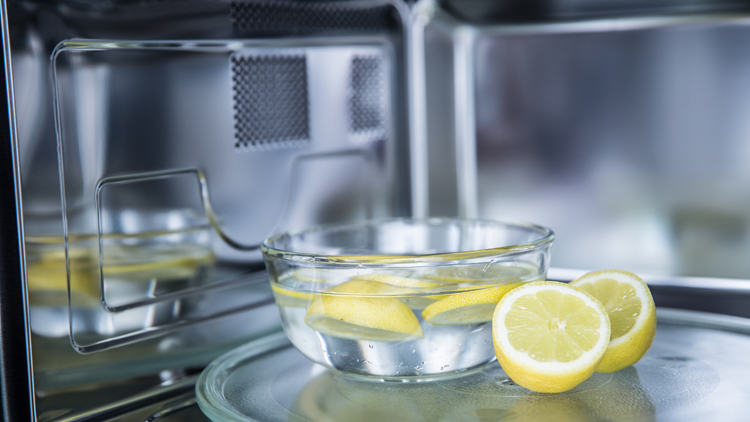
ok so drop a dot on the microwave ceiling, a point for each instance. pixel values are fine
(499, 11)
(217, 18)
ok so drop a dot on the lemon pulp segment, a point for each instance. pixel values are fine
(466, 307)
(548, 336)
(632, 314)
(363, 317)
(552, 326)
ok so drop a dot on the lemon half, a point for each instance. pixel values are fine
(549, 337)
(344, 314)
(632, 313)
(466, 307)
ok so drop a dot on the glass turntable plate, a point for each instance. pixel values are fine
(697, 369)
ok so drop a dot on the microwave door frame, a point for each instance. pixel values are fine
(16, 383)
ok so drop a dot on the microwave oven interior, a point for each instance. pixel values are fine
(159, 143)
(151, 146)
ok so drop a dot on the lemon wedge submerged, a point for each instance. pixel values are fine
(548, 336)
(355, 317)
(394, 280)
(408, 288)
(463, 308)
(632, 315)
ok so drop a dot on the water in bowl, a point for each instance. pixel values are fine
(406, 324)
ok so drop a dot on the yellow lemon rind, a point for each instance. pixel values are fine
(363, 317)
(463, 308)
(630, 348)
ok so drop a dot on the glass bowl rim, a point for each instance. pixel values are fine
(547, 237)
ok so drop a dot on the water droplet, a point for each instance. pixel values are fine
(371, 346)
(422, 363)
(335, 353)
(413, 351)
(460, 344)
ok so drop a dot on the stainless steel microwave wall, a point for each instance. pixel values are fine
(156, 145)
(622, 129)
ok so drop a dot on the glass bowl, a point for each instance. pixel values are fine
(401, 299)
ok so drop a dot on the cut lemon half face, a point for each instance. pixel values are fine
(549, 337)
(472, 307)
(632, 314)
(343, 313)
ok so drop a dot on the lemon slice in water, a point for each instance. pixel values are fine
(414, 301)
(632, 313)
(549, 337)
(394, 280)
(466, 307)
(345, 314)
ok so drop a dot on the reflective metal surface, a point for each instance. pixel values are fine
(159, 146)
(619, 124)
(625, 134)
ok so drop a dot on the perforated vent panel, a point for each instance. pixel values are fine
(276, 17)
(271, 106)
(368, 91)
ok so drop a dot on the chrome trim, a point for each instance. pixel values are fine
(612, 24)
(728, 285)
(704, 320)
(205, 202)
(11, 405)
(421, 17)
(466, 133)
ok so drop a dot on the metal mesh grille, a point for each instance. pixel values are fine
(270, 100)
(277, 17)
(366, 101)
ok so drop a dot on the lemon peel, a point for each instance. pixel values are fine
(344, 314)
(632, 313)
(470, 307)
